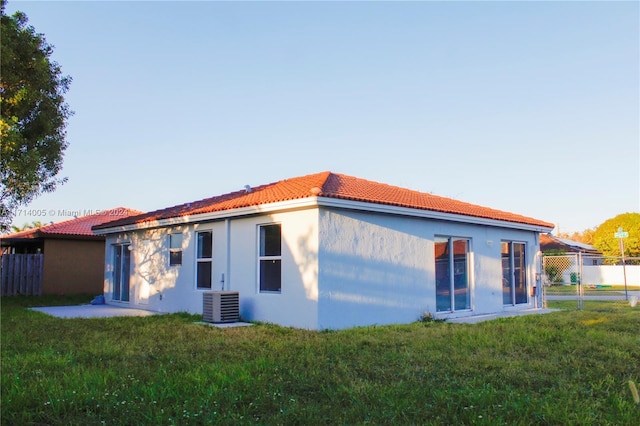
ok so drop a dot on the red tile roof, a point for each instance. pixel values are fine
(74, 228)
(330, 185)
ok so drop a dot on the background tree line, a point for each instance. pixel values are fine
(33, 115)
(602, 236)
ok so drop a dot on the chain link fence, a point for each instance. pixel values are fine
(588, 281)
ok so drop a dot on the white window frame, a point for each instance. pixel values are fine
(200, 260)
(452, 271)
(173, 250)
(512, 270)
(262, 258)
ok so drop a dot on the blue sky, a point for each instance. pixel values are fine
(528, 107)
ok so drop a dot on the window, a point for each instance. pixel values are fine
(175, 249)
(203, 259)
(514, 273)
(452, 274)
(270, 258)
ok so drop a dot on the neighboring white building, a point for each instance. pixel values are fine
(326, 251)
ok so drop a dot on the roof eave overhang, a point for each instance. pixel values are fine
(43, 237)
(312, 202)
(430, 214)
(8, 242)
(298, 204)
(73, 237)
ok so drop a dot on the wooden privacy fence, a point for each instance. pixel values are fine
(21, 274)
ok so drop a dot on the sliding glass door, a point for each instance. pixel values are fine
(453, 292)
(121, 272)
(514, 273)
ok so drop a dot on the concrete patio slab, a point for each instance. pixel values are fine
(479, 318)
(225, 324)
(93, 311)
(108, 311)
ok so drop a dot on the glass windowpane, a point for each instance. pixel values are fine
(520, 270)
(205, 247)
(270, 275)
(175, 258)
(117, 271)
(460, 276)
(514, 273)
(270, 240)
(126, 265)
(204, 275)
(175, 241)
(443, 275)
(507, 293)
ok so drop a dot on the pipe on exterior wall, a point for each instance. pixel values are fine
(227, 272)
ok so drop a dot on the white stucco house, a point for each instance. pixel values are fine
(326, 251)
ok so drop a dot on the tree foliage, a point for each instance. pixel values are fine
(33, 115)
(34, 224)
(585, 236)
(604, 240)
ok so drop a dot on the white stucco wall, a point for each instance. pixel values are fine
(611, 275)
(154, 284)
(296, 304)
(159, 287)
(380, 269)
(340, 268)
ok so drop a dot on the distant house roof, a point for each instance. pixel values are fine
(77, 228)
(549, 242)
(325, 185)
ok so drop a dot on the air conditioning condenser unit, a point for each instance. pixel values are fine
(220, 306)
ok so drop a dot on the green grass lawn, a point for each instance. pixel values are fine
(570, 290)
(568, 367)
